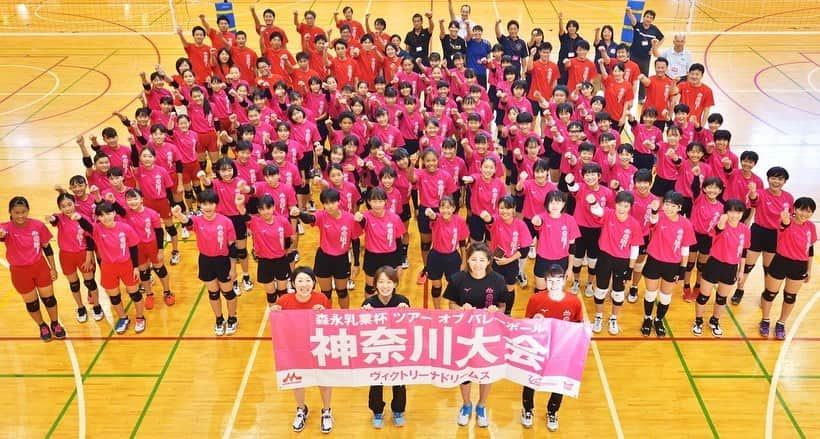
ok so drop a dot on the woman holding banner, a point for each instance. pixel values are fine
(305, 297)
(479, 287)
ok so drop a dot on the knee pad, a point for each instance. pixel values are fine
(33, 306)
(748, 268)
(271, 298)
(638, 267)
(576, 270)
(720, 300)
(600, 294)
(341, 293)
(229, 295)
(426, 246)
(49, 302)
(135, 297)
(369, 290)
(189, 194)
(74, 286)
(702, 299)
(690, 266)
(241, 253)
(213, 295)
(789, 298)
(591, 263)
(701, 266)
(91, 284)
(145, 275)
(576, 264)
(172, 231)
(665, 299)
(115, 299)
(618, 297)
(435, 292)
(769, 296)
(650, 296)
(161, 272)
(328, 293)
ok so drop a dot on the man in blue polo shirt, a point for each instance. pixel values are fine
(641, 50)
(513, 46)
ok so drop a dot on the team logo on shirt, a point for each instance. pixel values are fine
(625, 239)
(343, 236)
(123, 244)
(567, 314)
(35, 240)
(220, 236)
(741, 243)
(678, 240)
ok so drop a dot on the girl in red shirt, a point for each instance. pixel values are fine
(27, 250)
(792, 262)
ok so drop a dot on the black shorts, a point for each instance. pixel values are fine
(268, 270)
(642, 249)
(325, 265)
(372, 261)
(704, 245)
(440, 264)
(240, 226)
(519, 203)
(716, 271)
(405, 214)
(643, 161)
(686, 207)
(763, 239)
(422, 220)
(478, 228)
(587, 244)
(509, 271)
(611, 268)
(214, 267)
(411, 145)
(541, 265)
(655, 269)
(552, 156)
(785, 268)
(661, 186)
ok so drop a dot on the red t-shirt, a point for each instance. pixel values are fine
(568, 308)
(580, 70)
(657, 95)
(200, 57)
(288, 301)
(544, 76)
(697, 98)
(617, 94)
(217, 42)
(308, 33)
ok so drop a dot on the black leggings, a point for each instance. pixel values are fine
(376, 400)
(528, 400)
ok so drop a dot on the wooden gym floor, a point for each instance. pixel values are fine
(178, 380)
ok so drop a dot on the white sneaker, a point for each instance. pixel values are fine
(482, 420)
(236, 289)
(174, 258)
(522, 279)
(405, 264)
(296, 257)
(613, 326)
(575, 287)
(311, 206)
(697, 328)
(531, 255)
(552, 422)
(185, 233)
(247, 283)
(597, 323)
(300, 229)
(82, 315)
(230, 327)
(299, 420)
(526, 418)
(219, 327)
(589, 292)
(327, 421)
(351, 284)
(464, 415)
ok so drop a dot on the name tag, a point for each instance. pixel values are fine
(644, 43)
(419, 49)
(570, 54)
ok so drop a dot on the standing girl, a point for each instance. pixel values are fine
(450, 233)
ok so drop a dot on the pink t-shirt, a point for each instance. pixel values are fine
(583, 215)
(214, 237)
(144, 223)
(705, 215)
(248, 171)
(433, 186)
(284, 196)
(669, 237)
(665, 167)
(484, 195)
(794, 241)
(738, 186)
(70, 236)
(455, 167)
(534, 197)
(684, 182)
(768, 208)
(153, 182)
(186, 145)
(624, 176)
(642, 133)
(269, 238)
(555, 236)
(728, 244)
(119, 157)
(227, 194)
(336, 234)
(24, 244)
(381, 233)
(508, 237)
(618, 237)
(448, 233)
(113, 243)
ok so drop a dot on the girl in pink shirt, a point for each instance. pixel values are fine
(704, 216)
(792, 261)
(669, 158)
(31, 262)
(533, 187)
(398, 203)
(216, 238)
(76, 255)
(410, 125)
(646, 138)
(551, 251)
(382, 238)
(510, 241)
(645, 203)
(157, 188)
(724, 264)
(692, 172)
(186, 143)
(450, 233)
(486, 190)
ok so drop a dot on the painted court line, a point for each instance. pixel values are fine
(36, 77)
(778, 368)
(78, 386)
(265, 338)
(244, 383)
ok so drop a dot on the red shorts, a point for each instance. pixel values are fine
(189, 171)
(112, 274)
(161, 206)
(207, 142)
(26, 278)
(130, 182)
(148, 252)
(70, 262)
(225, 124)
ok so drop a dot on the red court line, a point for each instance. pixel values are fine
(215, 338)
(770, 96)
(717, 84)
(30, 81)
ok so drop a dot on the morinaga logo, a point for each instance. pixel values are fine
(291, 378)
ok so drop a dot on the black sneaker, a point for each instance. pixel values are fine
(646, 328)
(660, 330)
(737, 297)
(58, 330)
(633, 295)
(45, 333)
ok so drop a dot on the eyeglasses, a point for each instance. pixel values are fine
(574, 131)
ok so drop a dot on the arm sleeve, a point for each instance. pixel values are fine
(89, 244)
(47, 250)
(306, 218)
(85, 225)
(87, 162)
(159, 234)
(119, 210)
(135, 258)
(695, 187)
